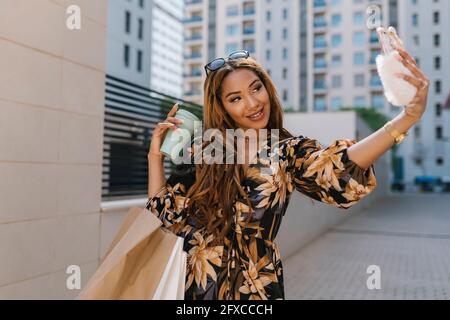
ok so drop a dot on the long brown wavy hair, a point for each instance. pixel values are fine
(216, 186)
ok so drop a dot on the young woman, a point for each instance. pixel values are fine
(229, 214)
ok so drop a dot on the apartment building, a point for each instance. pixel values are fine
(424, 25)
(267, 29)
(145, 43)
(341, 54)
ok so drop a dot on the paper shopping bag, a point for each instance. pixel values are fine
(144, 261)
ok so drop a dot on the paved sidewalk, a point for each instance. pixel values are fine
(407, 236)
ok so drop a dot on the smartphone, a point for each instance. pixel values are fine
(386, 41)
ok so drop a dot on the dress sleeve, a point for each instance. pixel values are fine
(169, 202)
(327, 174)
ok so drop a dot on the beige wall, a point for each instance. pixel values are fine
(51, 141)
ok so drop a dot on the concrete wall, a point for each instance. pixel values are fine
(51, 140)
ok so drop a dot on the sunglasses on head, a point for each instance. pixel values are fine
(220, 62)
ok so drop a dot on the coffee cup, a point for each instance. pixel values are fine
(176, 139)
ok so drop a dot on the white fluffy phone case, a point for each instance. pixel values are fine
(397, 91)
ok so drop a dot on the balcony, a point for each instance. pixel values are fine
(373, 37)
(319, 5)
(249, 30)
(320, 44)
(320, 23)
(249, 11)
(194, 19)
(194, 37)
(319, 85)
(193, 73)
(320, 64)
(193, 55)
(375, 82)
(193, 93)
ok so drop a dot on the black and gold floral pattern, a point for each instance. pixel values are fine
(248, 264)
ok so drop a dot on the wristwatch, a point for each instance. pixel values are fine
(398, 137)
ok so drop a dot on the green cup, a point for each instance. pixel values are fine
(175, 140)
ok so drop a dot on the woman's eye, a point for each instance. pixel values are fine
(256, 89)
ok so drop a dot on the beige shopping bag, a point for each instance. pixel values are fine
(144, 261)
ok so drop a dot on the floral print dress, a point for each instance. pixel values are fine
(248, 264)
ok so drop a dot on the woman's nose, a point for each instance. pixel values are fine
(252, 103)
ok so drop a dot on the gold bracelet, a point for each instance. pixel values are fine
(398, 137)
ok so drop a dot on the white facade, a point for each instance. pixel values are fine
(123, 36)
(341, 55)
(424, 26)
(166, 72)
(196, 50)
(145, 43)
(267, 29)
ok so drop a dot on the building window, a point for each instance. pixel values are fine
(126, 55)
(378, 101)
(437, 63)
(285, 95)
(320, 104)
(417, 132)
(231, 47)
(336, 103)
(415, 19)
(437, 40)
(336, 20)
(336, 81)
(359, 102)
(141, 29)
(358, 58)
(285, 71)
(439, 134)
(268, 34)
(139, 60)
(232, 29)
(440, 161)
(232, 11)
(127, 21)
(438, 110)
(358, 38)
(359, 80)
(358, 18)
(336, 40)
(438, 87)
(336, 60)
(436, 17)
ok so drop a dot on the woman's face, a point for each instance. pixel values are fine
(246, 99)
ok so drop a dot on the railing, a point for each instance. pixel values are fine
(193, 55)
(249, 30)
(131, 113)
(249, 11)
(193, 37)
(319, 3)
(193, 19)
